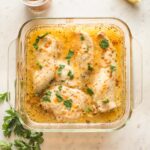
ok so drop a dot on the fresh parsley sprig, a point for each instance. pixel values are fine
(4, 97)
(22, 145)
(29, 140)
(18, 145)
(5, 145)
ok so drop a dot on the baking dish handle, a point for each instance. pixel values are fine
(11, 72)
(137, 72)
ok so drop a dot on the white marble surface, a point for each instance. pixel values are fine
(136, 134)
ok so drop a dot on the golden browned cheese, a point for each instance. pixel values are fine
(65, 35)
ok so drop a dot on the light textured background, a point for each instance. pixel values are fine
(136, 135)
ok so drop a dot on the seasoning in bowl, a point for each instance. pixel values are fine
(37, 6)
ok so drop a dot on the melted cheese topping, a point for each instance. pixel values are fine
(92, 78)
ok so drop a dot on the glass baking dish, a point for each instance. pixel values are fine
(16, 71)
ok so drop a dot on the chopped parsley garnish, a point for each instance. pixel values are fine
(89, 91)
(68, 103)
(113, 68)
(82, 37)
(46, 98)
(104, 44)
(70, 74)
(4, 97)
(69, 55)
(59, 97)
(88, 110)
(59, 71)
(42, 36)
(60, 88)
(106, 101)
(87, 48)
(90, 68)
(47, 95)
(39, 65)
(35, 44)
(36, 94)
(48, 92)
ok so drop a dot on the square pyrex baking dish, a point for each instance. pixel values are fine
(17, 69)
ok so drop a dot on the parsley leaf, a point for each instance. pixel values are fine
(42, 36)
(89, 91)
(36, 137)
(39, 65)
(90, 68)
(35, 44)
(13, 124)
(9, 122)
(35, 140)
(69, 55)
(59, 71)
(60, 88)
(106, 101)
(22, 145)
(5, 145)
(70, 74)
(82, 37)
(48, 93)
(59, 97)
(68, 103)
(46, 98)
(113, 68)
(88, 110)
(4, 96)
(104, 44)
(87, 48)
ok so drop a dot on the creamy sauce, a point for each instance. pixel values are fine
(67, 40)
